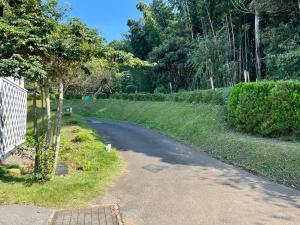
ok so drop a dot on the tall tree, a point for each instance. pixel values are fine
(72, 44)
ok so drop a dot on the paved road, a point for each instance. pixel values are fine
(24, 215)
(167, 183)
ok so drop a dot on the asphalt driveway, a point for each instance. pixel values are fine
(168, 183)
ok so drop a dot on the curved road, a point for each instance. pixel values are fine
(168, 183)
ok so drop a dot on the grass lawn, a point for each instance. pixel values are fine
(203, 126)
(91, 168)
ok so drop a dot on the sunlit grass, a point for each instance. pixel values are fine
(91, 168)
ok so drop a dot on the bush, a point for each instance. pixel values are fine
(266, 108)
(131, 89)
(72, 95)
(30, 140)
(116, 96)
(140, 96)
(102, 96)
(159, 97)
(83, 137)
(215, 97)
(210, 96)
(131, 96)
(30, 96)
(72, 121)
(54, 96)
(67, 114)
(161, 90)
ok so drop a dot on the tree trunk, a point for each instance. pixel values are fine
(97, 92)
(35, 110)
(228, 58)
(58, 124)
(48, 113)
(190, 25)
(37, 159)
(204, 30)
(240, 59)
(37, 153)
(246, 52)
(258, 46)
(212, 83)
(210, 22)
(246, 76)
(235, 67)
(42, 103)
(54, 125)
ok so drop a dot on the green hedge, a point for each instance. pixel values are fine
(72, 95)
(102, 96)
(140, 96)
(216, 97)
(266, 108)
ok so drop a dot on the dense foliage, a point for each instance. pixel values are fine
(54, 56)
(212, 43)
(266, 108)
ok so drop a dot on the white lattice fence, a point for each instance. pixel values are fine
(13, 114)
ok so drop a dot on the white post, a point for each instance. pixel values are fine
(212, 83)
(248, 76)
(108, 148)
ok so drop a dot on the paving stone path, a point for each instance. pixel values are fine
(108, 215)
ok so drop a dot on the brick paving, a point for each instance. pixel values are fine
(106, 215)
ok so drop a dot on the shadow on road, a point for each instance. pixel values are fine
(128, 137)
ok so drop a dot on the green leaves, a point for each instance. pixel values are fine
(17, 66)
(24, 36)
(191, 41)
(284, 63)
(266, 108)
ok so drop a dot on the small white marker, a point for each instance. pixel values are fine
(108, 148)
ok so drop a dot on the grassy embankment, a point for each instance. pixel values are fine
(204, 127)
(91, 168)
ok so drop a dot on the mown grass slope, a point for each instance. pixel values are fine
(203, 126)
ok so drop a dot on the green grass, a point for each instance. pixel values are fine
(92, 170)
(203, 126)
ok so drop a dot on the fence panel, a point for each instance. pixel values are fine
(13, 116)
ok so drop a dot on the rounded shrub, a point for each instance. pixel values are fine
(161, 90)
(266, 108)
(72, 95)
(131, 89)
(83, 137)
(158, 97)
(54, 96)
(102, 96)
(116, 96)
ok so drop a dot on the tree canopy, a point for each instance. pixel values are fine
(55, 55)
(194, 42)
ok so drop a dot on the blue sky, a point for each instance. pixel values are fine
(108, 16)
